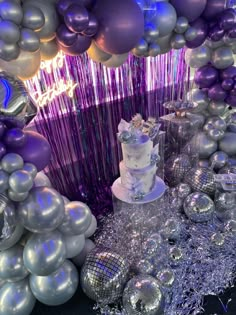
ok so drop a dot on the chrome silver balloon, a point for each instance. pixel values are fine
(49, 50)
(33, 18)
(217, 108)
(222, 57)
(41, 180)
(202, 145)
(11, 11)
(228, 143)
(178, 41)
(190, 34)
(141, 48)
(216, 134)
(151, 33)
(9, 52)
(199, 207)
(200, 97)
(17, 197)
(77, 218)
(29, 40)
(154, 50)
(12, 265)
(10, 32)
(198, 57)
(74, 245)
(44, 253)
(217, 123)
(181, 25)
(143, 296)
(42, 211)
(92, 228)
(16, 298)
(104, 275)
(80, 258)
(30, 168)
(20, 181)
(164, 43)
(201, 179)
(12, 162)
(58, 287)
(4, 177)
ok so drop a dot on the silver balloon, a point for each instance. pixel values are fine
(197, 120)
(11, 11)
(198, 57)
(222, 57)
(166, 277)
(202, 145)
(151, 33)
(154, 50)
(11, 264)
(58, 287)
(42, 211)
(20, 181)
(74, 245)
(16, 298)
(116, 60)
(9, 52)
(201, 179)
(25, 66)
(44, 253)
(80, 258)
(218, 159)
(178, 41)
(199, 207)
(144, 267)
(49, 50)
(217, 123)
(33, 18)
(48, 31)
(17, 197)
(217, 108)
(96, 54)
(10, 32)
(13, 239)
(30, 168)
(166, 18)
(143, 296)
(12, 162)
(214, 45)
(77, 218)
(183, 190)
(4, 177)
(200, 98)
(176, 167)
(228, 144)
(29, 40)
(104, 275)
(215, 134)
(41, 180)
(191, 33)
(181, 25)
(92, 228)
(164, 43)
(66, 200)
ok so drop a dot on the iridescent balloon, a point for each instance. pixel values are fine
(201, 179)
(12, 265)
(17, 197)
(58, 287)
(176, 167)
(92, 228)
(77, 218)
(74, 245)
(41, 180)
(42, 211)
(20, 181)
(200, 97)
(202, 145)
(218, 159)
(104, 275)
(4, 177)
(31, 168)
(217, 123)
(199, 207)
(44, 253)
(143, 296)
(217, 108)
(12, 162)
(228, 144)
(80, 258)
(16, 298)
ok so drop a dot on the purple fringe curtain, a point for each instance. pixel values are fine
(82, 130)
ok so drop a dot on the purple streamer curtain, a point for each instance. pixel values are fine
(82, 129)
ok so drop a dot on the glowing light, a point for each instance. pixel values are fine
(50, 65)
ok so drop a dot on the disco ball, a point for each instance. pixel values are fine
(199, 207)
(201, 179)
(104, 275)
(176, 167)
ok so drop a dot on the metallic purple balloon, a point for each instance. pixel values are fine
(206, 76)
(233, 92)
(64, 36)
(2, 150)
(14, 138)
(92, 28)
(216, 33)
(231, 100)
(228, 73)
(81, 44)
(76, 18)
(36, 150)
(227, 84)
(202, 30)
(216, 93)
(121, 25)
(213, 8)
(227, 19)
(191, 9)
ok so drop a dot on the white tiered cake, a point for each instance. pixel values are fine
(138, 182)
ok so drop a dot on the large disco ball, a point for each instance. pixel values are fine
(201, 179)
(176, 167)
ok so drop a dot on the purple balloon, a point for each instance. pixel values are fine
(231, 100)
(227, 84)
(206, 76)
(121, 25)
(2, 150)
(202, 30)
(3, 128)
(213, 8)
(228, 73)
(191, 9)
(81, 44)
(216, 93)
(36, 150)
(92, 27)
(232, 33)
(233, 92)
(64, 36)
(216, 33)
(14, 138)
(227, 19)
(76, 18)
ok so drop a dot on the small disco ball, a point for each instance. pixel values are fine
(104, 275)
(201, 179)
(176, 167)
(199, 207)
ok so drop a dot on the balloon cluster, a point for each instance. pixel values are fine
(40, 229)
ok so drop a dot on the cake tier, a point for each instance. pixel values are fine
(137, 155)
(138, 180)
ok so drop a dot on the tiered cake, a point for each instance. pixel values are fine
(138, 182)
